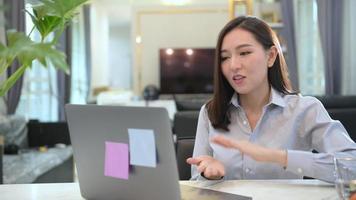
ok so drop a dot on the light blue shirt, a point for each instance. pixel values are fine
(295, 123)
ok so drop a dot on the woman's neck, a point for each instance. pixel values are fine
(255, 101)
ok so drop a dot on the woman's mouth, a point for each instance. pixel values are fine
(238, 79)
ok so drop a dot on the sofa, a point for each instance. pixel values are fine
(342, 108)
(54, 163)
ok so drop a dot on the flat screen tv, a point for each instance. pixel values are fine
(186, 71)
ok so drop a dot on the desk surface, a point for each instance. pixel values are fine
(257, 189)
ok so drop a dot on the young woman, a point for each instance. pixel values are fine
(255, 126)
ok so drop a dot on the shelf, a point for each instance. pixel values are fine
(276, 25)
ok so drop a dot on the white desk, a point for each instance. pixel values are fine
(258, 190)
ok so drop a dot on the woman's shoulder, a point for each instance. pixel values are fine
(300, 101)
(204, 109)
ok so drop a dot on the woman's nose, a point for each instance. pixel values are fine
(235, 63)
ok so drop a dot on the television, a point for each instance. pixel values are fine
(186, 70)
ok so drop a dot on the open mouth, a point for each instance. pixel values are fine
(238, 77)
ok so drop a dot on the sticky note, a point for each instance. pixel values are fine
(142, 147)
(116, 160)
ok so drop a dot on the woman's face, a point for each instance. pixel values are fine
(245, 62)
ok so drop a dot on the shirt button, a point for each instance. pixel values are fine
(244, 122)
(247, 170)
(300, 170)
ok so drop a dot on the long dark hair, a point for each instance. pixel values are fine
(218, 106)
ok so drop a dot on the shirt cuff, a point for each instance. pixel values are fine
(300, 163)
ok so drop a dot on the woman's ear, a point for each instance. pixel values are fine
(272, 54)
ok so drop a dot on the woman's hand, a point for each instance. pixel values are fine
(256, 152)
(210, 167)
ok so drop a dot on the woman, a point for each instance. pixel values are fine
(255, 127)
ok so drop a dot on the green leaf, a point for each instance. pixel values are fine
(42, 11)
(16, 41)
(47, 55)
(49, 16)
(63, 8)
(45, 24)
(27, 51)
(2, 46)
(7, 84)
(3, 58)
(53, 15)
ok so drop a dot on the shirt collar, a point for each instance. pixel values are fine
(235, 100)
(276, 99)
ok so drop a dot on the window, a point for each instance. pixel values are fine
(39, 98)
(39, 91)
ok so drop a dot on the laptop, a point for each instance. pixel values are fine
(128, 153)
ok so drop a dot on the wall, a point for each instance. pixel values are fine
(159, 26)
(120, 56)
(163, 27)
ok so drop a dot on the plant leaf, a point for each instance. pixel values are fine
(49, 55)
(16, 41)
(3, 58)
(7, 84)
(63, 8)
(27, 51)
(49, 16)
(45, 24)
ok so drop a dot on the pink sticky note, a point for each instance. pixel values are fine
(116, 160)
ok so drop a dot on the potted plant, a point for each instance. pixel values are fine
(48, 16)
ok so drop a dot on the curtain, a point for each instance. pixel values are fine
(349, 49)
(87, 28)
(80, 57)
(288, 34)
(309, 53)
(15, 19)
(63, 80)
(330, 25)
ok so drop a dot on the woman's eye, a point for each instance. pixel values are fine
(244, 53)
(224, 58)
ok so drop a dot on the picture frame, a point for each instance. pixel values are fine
(270, 17)
(240, 7)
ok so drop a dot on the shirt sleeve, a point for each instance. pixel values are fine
(202, 145)
(327, 136)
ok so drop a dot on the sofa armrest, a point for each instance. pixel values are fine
(47, 133)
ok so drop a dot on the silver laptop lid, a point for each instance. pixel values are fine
(92, 127)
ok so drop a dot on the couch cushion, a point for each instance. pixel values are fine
(185, 148)
(347, 117)
(337, 101)
(185, 123)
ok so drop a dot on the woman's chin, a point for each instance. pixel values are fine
(242, 90)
